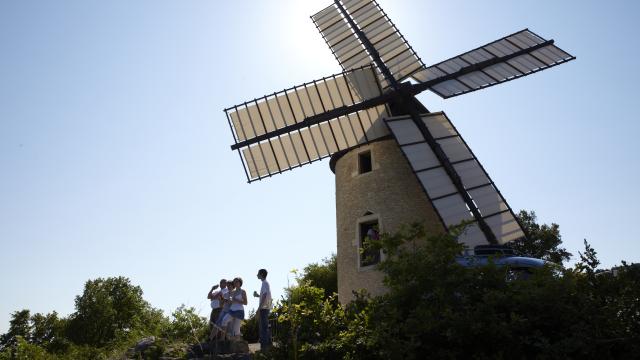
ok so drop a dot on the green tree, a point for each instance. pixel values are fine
(323, 275)
(23, 350)
(187, 325)
(19, 326)
(588, 260)
(48, 331)
(436, 307)
(108, 309)
(543, 242)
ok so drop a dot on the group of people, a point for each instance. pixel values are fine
(227, 308)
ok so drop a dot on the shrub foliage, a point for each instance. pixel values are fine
(437, 308)
(110, 316)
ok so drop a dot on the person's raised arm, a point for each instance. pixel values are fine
(210, 294)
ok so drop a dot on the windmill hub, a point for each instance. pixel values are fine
(394, 161)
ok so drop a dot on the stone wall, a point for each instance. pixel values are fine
(390, 192)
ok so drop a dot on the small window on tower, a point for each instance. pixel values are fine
(369, 232)
(364, 162)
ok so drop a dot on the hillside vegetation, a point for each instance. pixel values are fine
(434, 308)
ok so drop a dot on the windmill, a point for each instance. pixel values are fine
(371, 106)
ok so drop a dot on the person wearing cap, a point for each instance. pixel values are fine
(264, 308)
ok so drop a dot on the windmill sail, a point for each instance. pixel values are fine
(514, 56)
(393, 49)
(443, 194)
(260, 126)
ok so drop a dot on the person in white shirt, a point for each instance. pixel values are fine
(225, 302)
(233, 319)
(216, 300)
(264, 308)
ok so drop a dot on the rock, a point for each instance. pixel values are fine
(229, 357)
(221, 349)
(144, 343)
(238, 346)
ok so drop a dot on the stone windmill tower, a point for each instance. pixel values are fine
(394, 161)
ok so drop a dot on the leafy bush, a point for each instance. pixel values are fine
(110, 317)
(322, 275)
(250, 327)
(437, 308)
(23, 350)
(543, 242)
(187, 325)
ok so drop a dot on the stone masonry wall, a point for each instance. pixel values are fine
(391, 192)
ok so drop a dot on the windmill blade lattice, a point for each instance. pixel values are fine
(441, 191)
(514, 56)
(271, 135)
(340, 36)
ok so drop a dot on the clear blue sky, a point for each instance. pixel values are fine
(114, 150)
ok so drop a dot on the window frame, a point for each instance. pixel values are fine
(360, 156)
(367, 218)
